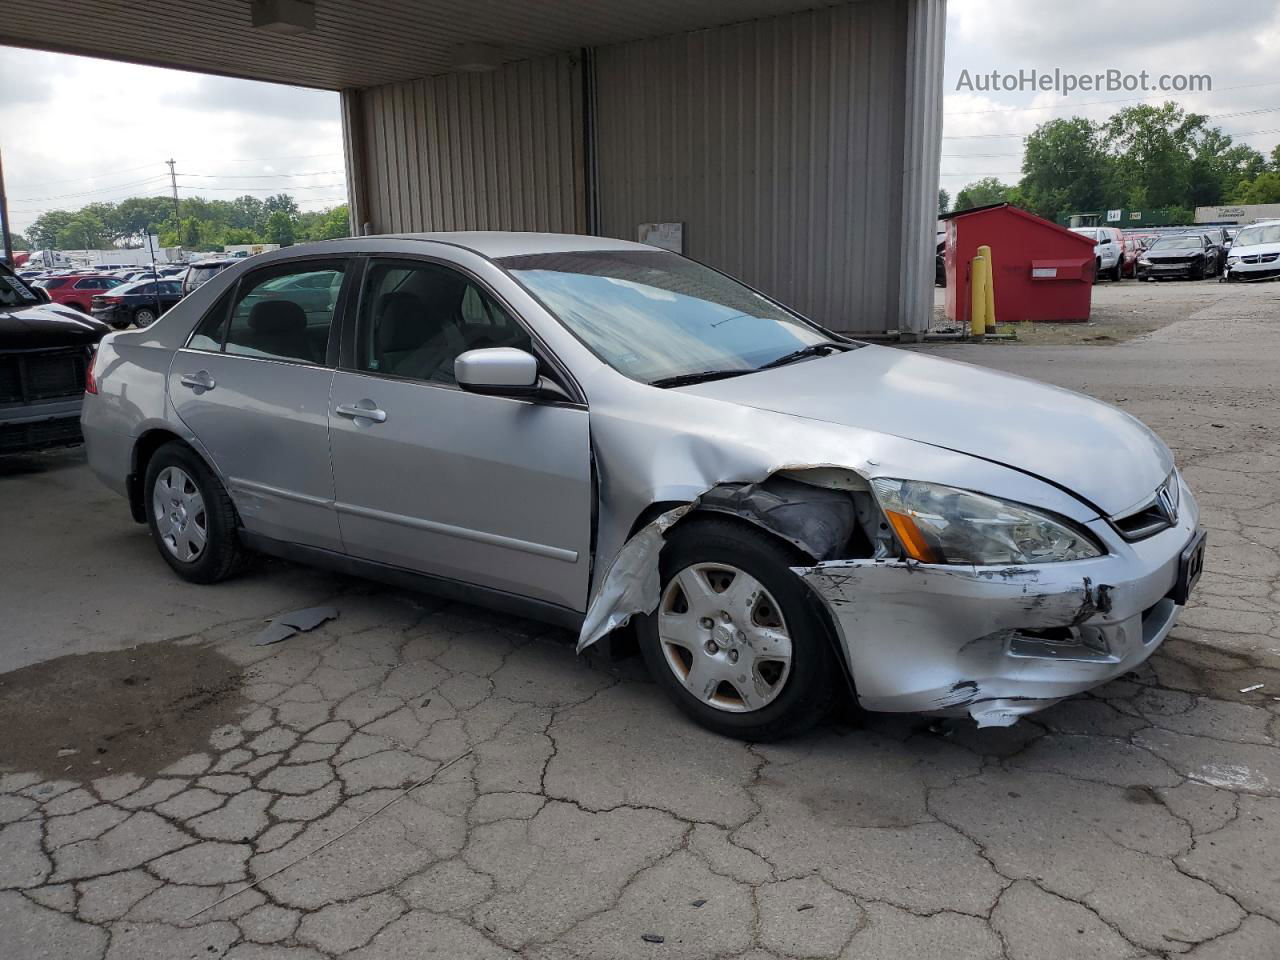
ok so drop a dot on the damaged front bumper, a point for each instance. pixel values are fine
(998, 643)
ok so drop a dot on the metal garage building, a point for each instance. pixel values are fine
(796, 142)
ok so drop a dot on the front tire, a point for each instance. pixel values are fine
(738, 641)
(192, 520)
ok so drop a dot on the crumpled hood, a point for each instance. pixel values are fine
(1095, 451)
(47, 325)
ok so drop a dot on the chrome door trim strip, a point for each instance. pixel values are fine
(462, 533)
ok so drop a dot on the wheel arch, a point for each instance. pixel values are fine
(821, 522)
(144, 448)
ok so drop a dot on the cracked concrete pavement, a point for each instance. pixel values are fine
(586, 818)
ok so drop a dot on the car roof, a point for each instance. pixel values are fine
(495, 243)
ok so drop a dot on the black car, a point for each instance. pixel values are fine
(940, 265)
(137, 302)
(1190, 255)
(45, 350)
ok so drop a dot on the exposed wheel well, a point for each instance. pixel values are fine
(143, 451)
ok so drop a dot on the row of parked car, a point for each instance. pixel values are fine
(1240, 254)
(123, 296)
(1190, 254)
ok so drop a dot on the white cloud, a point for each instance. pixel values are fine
(1086, 36)
(75, 130)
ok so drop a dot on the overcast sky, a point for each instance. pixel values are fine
(75, 130)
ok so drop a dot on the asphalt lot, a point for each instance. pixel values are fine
(154, 760)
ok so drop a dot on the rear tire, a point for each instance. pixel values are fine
(143, 317)
(761, 698)
(192, 520)
(1117, 272)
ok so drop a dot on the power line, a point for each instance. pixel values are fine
(260, 176)
(102, 189)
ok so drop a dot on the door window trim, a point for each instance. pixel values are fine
(226, 303)
(541, 350)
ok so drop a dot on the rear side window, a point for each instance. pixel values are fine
(53, 283)
(286, 312)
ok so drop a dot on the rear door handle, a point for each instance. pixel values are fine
(354, 410)
(198, 381)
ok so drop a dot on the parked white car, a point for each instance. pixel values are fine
(1255, 253)
(1108, 250)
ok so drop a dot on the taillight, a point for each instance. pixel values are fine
(108, 299)
(90, 383)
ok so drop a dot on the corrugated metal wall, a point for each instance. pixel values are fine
(476, 151)
(778, 143)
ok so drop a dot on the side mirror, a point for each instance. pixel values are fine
(501, 371)
(1105, 240)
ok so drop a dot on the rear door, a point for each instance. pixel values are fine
(487, 490)
(253, 385)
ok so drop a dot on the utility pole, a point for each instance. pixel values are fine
(4, 220)
(177, 212)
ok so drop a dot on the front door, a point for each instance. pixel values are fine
(486, 490)
(253, 386)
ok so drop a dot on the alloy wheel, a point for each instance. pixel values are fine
(181, 520)
(724, 638)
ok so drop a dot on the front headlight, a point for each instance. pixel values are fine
(1143, 261)
(1232, 261)
(937, 524)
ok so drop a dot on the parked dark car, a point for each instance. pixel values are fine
(205, 270)
(45, 350)
(1190, 255)
(138, 302)
(940, 265)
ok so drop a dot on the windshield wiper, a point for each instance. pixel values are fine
(813, 350)
(702, 376)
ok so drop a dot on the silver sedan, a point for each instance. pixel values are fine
(599, 433)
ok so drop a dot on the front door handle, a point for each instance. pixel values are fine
(354, 410)
(198, 381)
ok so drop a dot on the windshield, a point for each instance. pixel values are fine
(1177, 243)
(653, 315)
(13, 292)
(1262, 233)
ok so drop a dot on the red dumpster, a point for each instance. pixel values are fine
(1043, 272)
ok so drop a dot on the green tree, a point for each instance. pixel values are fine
(138, 216)
(17, 241)
(43, 232)
(282, 203)
(1265, 188)
(944, 201)
(1065, 169)
(235, 235)
(246, 213)
(1153, 147)
(83, 231)
(279, 228)
(1218, 167)
(1275, 158)
(982, 192)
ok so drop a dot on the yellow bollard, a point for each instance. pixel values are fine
(989, 314)
(978, 278)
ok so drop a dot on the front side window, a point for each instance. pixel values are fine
(653, 315)
(277, 316)
(415, 318)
